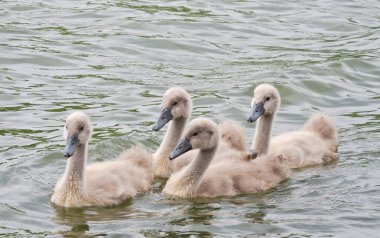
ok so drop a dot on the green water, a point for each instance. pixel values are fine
(115, 59)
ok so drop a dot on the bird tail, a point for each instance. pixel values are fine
(138, 156)
(233, 134)
(322, 125)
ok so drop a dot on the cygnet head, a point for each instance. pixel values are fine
(176, 103)
(77, 131)
(200, 133)
(266, 101)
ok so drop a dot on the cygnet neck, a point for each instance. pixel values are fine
(174, 133)
(170, 141)
(74, 174)
(263, 134)
(194, 172)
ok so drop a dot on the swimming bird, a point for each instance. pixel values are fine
(229, 177)
(315, 143)
(176, 110)
(100, 184)
(232, 137)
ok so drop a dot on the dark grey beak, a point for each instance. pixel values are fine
(257, 111)
(254, 153)
(71, 146)
(181, 148)
(165, 117)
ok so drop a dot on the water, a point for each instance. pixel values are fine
(115, 59)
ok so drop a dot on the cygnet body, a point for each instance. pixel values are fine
(315, 143)
(229, 177)
(100, 184)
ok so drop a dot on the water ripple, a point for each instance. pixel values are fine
(114, 60)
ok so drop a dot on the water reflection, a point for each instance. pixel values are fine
(256, 217)
(174, 234)
(79, 219)
(196, 213)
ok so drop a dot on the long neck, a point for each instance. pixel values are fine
(263, 134)
(170, 141)
(73, 178)
(192, 177)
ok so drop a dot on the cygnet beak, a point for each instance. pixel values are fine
(164, 118)
(181, 148)
(71, 146)
(257, 111)
(254, 153)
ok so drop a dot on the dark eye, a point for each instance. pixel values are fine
(81, 128)
(175, 103)
(195, 133)
(66, 127)
(267, 98)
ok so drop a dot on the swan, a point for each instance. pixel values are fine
(229, 177)
(232, 137)
(315, 143)
(100, 184)
(176, 110)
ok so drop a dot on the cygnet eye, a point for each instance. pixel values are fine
(81, 128)
(267, 98)
(175, 103)
(195, 133)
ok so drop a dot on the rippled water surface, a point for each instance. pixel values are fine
(115, 59)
